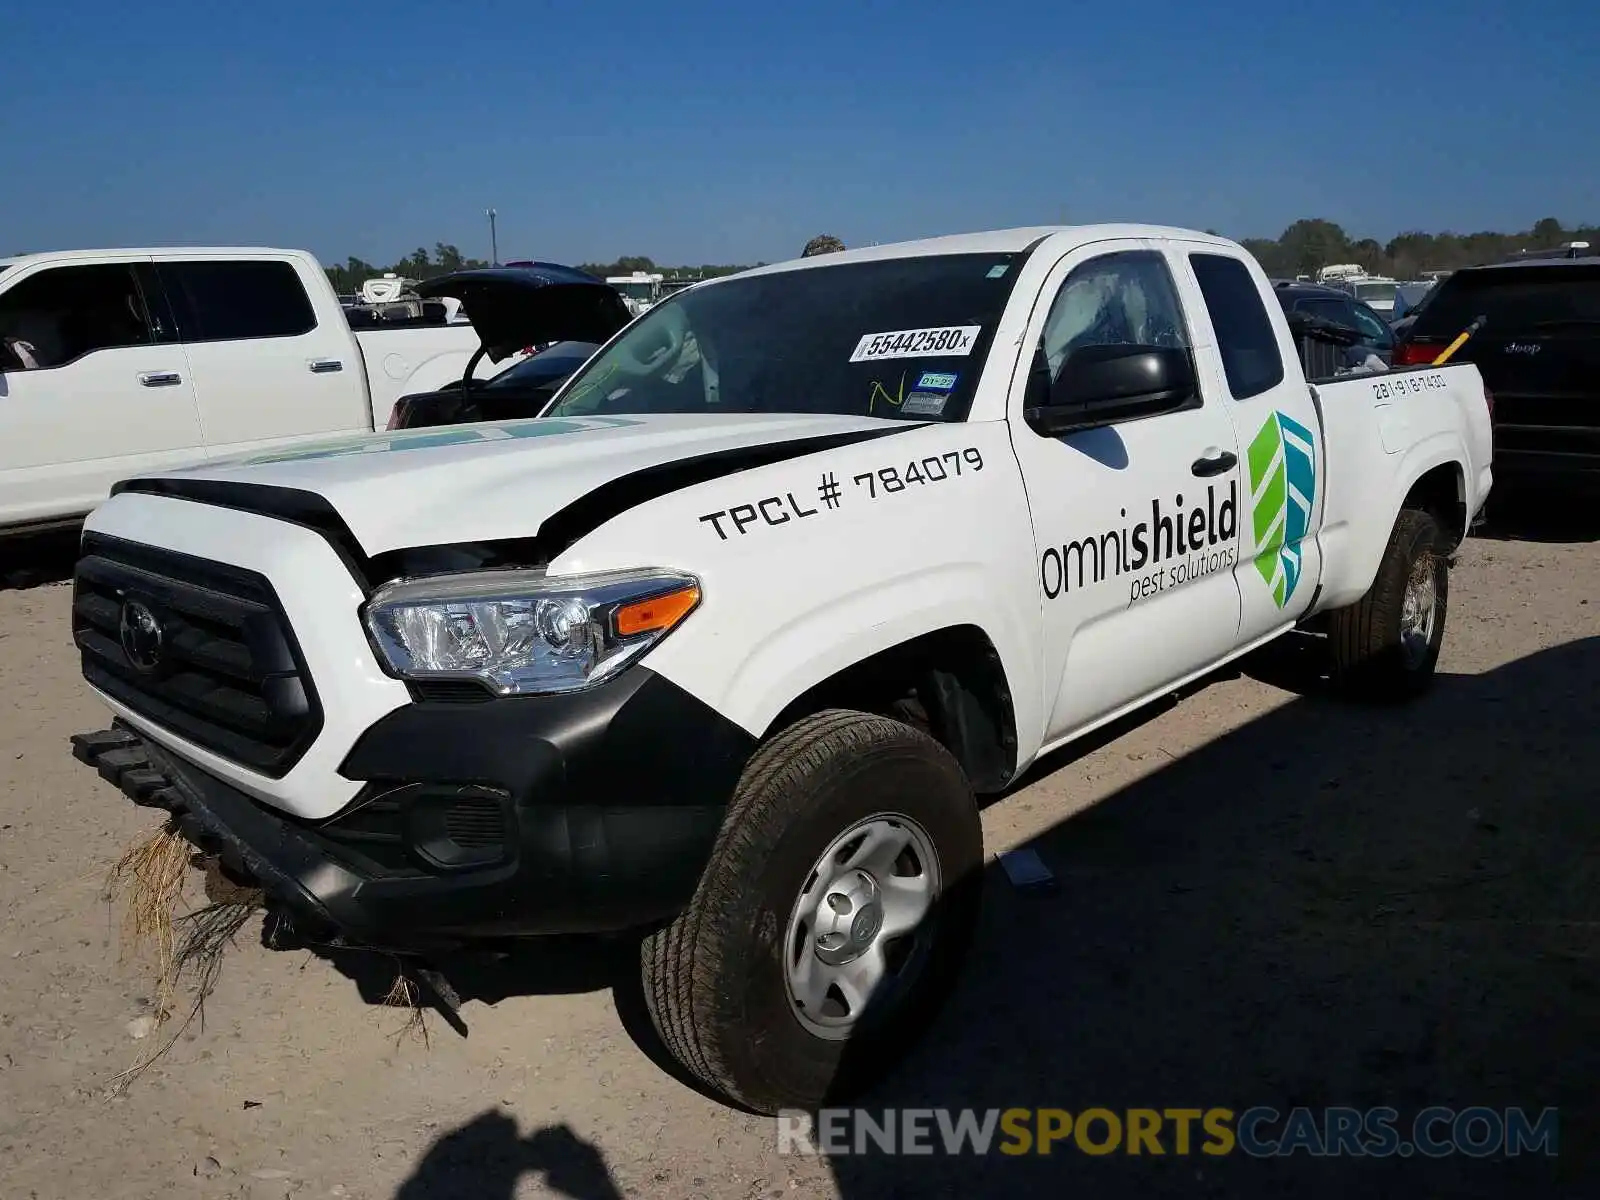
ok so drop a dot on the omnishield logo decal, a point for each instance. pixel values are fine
(1283, 484)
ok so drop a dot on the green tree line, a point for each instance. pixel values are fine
(419, 264)
(628, 264)
(1303, 247)
(1312, 243)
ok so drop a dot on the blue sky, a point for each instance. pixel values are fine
(698, 132)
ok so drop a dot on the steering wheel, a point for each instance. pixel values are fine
(641, 356)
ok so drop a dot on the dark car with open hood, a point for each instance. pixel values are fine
(560, 313)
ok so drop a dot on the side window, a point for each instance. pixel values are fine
(1122, 299)
(1245, 339)
(231, 301)
(1330, 309)
(61, 314)
(1376, 332)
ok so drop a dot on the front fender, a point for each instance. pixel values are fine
(817, 643)
(790, 601)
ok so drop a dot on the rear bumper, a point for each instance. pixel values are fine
(485, 820)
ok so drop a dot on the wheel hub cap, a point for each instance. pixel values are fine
(1419, 609)
(860, 923)
(848, 919)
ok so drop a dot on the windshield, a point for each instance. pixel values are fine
(1374, 291)
(636, 291)
(1512, 298)
(899, 337)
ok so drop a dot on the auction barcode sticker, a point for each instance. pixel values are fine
(917, 343)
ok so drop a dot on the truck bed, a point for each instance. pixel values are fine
(1419, 413)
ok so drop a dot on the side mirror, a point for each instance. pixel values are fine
(1100, 385)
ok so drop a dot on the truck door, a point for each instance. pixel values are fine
(1135, 522)
(97, 388)
(1255, 368)
(265, 368)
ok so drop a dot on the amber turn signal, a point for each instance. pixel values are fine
(657, 613)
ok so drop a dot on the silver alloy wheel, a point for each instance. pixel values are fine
(857, 923)
(1419, 610)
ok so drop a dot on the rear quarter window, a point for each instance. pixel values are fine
(1245, 338)
(221, 301)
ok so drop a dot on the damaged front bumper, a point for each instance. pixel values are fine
(477, 822)
(253, 845)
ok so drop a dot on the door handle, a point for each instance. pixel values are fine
(160, 378)
(322, 366)
(1214, 464)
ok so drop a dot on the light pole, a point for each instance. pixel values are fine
(494, 243)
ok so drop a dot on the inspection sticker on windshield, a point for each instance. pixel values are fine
(924, 404)
(917, 343)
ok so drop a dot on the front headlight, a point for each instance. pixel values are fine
(523, 632)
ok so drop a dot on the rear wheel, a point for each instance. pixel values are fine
(1386, 645)
(832, 919)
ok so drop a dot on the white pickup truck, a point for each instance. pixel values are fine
(723, 644)
(118, 362)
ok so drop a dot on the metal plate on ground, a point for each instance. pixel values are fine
(1027, 872)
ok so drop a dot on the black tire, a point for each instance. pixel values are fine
(715, 978)
(1370, 658)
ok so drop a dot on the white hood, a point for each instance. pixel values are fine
(499, 480)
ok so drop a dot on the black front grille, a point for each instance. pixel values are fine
(228, 675)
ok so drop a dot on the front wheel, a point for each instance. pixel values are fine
(832, 919)
(1386, 645)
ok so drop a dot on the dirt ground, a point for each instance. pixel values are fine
(1266, 897)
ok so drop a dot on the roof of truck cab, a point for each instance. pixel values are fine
(994, 241)
(148, 251)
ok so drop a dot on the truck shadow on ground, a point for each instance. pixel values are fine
(1334, 905)
(35, 559)
(549, 966)
(542, 966)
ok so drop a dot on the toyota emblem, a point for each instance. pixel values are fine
(142, 637)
